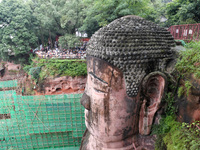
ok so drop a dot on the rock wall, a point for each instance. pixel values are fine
(189, 104)
(10, 71)
(63, 85)
(58, 85)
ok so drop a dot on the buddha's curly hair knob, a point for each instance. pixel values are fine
(129, 41)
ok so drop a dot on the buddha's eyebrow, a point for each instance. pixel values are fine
(91, 73)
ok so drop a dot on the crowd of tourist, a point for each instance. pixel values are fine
(56, 52)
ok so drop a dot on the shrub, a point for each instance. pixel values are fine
(183, 136)
(189, 62)
(56, 67)
(34, 72)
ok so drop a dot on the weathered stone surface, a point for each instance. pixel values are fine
(135, 46)
(189, 105)
(113, 119)
(12, 66)
(65, 84)
(11, 71)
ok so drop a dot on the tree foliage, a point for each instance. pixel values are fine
(72, 19)
(183, 12)
(101, 12)
(48, 14)
(73, 15)
(17, 32)
(68, 41)
(57, 18)
(41, 69)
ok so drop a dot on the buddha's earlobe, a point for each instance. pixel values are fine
(153, 88)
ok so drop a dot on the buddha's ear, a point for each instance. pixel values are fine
(153, 87)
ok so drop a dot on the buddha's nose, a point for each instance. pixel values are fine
(85, 101)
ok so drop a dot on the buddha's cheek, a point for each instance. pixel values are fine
(112, 116)
(96, 118)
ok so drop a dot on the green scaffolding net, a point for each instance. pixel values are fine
(40, 122)
(8, 84)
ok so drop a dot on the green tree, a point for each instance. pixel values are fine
(73, 15)
(183, 12)
(71, 20)
(57, 17)
(48, 13)
(69, 41)
(17, 32)
(101, 12)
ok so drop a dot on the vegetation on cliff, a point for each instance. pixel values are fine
(174, 135)
(189, 61)
(41, 69)
(188, 64)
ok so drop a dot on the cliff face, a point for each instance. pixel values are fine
(58, 85)
(61, 85)
(10, 71)
(189, 104)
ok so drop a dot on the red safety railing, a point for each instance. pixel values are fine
(186, 32)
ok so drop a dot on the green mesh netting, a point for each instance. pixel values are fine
(6, 101)
(40, 122)
(8, 84)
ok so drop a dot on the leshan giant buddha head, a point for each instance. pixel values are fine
(126, 64)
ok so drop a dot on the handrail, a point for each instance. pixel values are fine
(186, 32)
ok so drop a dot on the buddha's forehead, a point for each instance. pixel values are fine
(100, 69)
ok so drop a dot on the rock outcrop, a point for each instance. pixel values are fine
(189, 104)
(10, 71)
(63, 85)
(57, 85)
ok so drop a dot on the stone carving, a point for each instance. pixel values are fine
(131, 44)
(126, 64)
